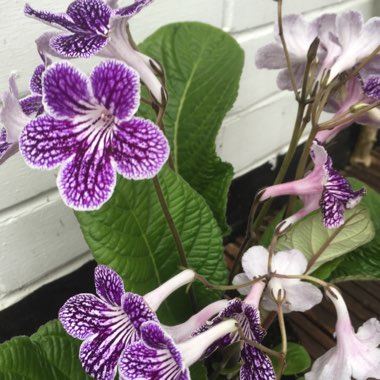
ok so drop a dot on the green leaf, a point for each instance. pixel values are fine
(48, 354)
(297, 359)
(61, 350)
(203, 66)
(321, 245)
(130, 234)
(198, 371)
(363, 263)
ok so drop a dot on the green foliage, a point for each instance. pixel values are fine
(48, 354)
(198, 371)
(297, 359)
(131, 235)
(322, 245)
(363, 263)
(203, 66)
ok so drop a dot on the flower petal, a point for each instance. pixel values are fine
(369, 332)
(270, 56)
(4, 144)
(46, 142)
(84, 315)
(255, 261)
(109, 285)
(240, 279)
(32, 104)
(79, 45)
(139, 149)
(332, 210)
(257, 365)
(300, 296)
(372, 87)
(12, 117)
(289, 262)
(330, 366)
(133, 9)
(138, 310)
(349, 25)
(117, 87)
(66, 91)
(100, 353)
(156, 357)
(90, 15)
(87, 181)
(59, 20)
(35, 84)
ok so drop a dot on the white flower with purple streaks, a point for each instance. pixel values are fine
(111, 322)
(12, 121)
(322, 188)
(356, 355)
(299, 295)
(256, 364)
(90, 129)
(157, 357)
(94, 27)
(357, 92)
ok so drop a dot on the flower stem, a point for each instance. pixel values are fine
(170, 221)
(284, 340)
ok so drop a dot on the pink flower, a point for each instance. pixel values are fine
(355, 355)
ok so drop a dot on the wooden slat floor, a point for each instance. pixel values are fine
(315, 328)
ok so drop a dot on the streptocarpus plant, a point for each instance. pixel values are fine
(152, 229)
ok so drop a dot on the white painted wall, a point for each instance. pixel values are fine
(40, 239)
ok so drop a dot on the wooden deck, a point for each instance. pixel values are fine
(315, 328)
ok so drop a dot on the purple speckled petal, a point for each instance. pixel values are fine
(372, 87)
(100, 353)
(59, 20)
(137, 310)
(36, 80)
(257, 365)
(66, 91)
(46, 142)
(117, 87)
(90, 15)
(4, 144)
(32, 104)
(140, 149)
(79, 45)
(84, 315)
(133, 9)
(154, 358)
(332, 210)
(87, 182)
(109, 285)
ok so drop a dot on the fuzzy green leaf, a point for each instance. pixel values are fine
(321, 245)
(130, 234)
(48, 354)
(203, 66)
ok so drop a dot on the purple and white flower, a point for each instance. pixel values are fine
(299, 295)
(355, 93)
(90, 130)
(93, 27)
(157, 357)
(12, 121)
(256, 364)
(111, 321)
(299, 34)
(344, 42)
(322, 188)
(356, 355)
